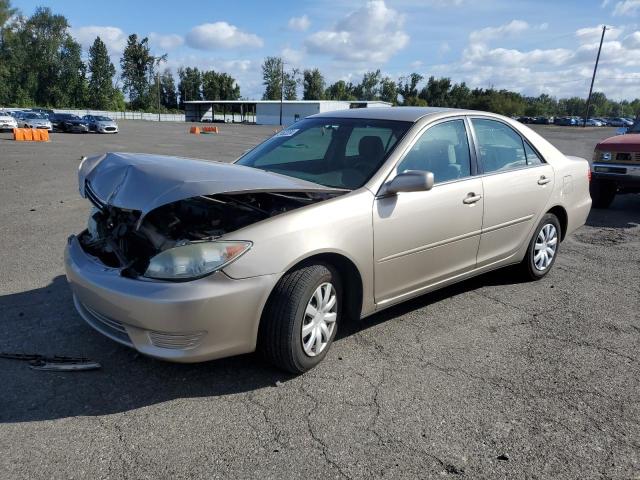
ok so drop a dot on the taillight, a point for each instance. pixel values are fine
(589, 175)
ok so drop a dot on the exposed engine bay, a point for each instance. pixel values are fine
(118, 238)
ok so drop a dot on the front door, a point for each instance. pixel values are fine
(424, 238)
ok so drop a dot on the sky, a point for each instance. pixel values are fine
(529, 46)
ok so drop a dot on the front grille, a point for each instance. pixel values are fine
(627, 157)
(91, 195)
(110, 129)
(176, 341)
(105, 325)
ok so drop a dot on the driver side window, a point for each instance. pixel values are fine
(443, 150)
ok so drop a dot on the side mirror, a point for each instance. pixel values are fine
(410, 181)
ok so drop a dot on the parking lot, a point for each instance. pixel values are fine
(491, 378)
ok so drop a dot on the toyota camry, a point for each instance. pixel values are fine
(332, 219)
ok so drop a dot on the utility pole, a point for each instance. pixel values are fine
(593, 79)
(281, 88)
(158, 92)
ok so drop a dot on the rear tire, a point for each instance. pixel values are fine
(281, 339)
(602, 193)
(543, 248)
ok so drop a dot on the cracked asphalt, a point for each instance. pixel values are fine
(491, 378)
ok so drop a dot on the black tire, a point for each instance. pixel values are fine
(602, 193)
(528, 267)
(280, 334)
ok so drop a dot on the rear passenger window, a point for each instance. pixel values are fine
(532, 156)
(501, 148)
(443, 149)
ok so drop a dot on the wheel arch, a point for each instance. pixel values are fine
(561, 213)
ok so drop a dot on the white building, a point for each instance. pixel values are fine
(266, 112)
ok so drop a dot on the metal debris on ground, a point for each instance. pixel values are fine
(56, 363)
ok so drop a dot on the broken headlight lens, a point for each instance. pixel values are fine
(194, 260)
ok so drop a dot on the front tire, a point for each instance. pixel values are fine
(602, 193)
(543, 248)
(301, 318)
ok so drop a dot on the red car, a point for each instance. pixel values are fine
(616, 167)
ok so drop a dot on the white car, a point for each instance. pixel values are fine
(7, 122)
(35, 120)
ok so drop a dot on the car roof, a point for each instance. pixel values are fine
(405, 114)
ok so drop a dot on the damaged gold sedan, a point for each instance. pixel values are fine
(336, 217)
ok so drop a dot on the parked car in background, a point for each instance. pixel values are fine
(566, 121)
(337, 217)
(592, 122)
(620, 122)
(34, 120)
(543, 120)
(43, 111)
(7, 122)
(101, 124)
(525, 120)
(616, 167)
(68, 122)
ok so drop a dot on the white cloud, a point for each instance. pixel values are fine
(113, 37)
(626, 7)
(372, 34)
(299, 24)
(484, 35)
(290, 55)
(444, 48)
(165, 42)
(632, 40)
(593, 34)
(416, 64)
(212, 36)
(562, 72)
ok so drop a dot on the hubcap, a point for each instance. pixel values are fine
(546, 246)
(319, 319)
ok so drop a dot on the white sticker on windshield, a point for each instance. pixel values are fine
(287, 133)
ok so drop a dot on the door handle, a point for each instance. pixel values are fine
(471, 198)
(543, 180)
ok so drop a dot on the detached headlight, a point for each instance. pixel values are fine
(194, 260)
(606, 156)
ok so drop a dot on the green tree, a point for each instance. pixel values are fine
(340, 90)
(437, 91)
(168, 94)
(137, 66)
(272, 76)
(460, 95)
(408, 89)
(101, 71)
(313, 85)
(219, 86)
(190, 86)
(369, 88)
(389, 90)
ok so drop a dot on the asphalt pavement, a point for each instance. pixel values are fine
(491, 378)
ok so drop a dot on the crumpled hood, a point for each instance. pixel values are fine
(144, 182)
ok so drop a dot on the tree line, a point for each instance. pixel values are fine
(41, 64)
(441, 92)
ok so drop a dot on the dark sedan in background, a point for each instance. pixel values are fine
(67, 122)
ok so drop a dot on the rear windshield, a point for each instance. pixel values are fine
(341, 153)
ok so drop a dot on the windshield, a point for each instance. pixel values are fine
(33, 115)
(340, 153)
(103, 119)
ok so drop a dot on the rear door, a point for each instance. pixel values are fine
(517, 185)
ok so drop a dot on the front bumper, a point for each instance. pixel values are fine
(209, 318)
(107, 128)
(78, 128)
(624, 175)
